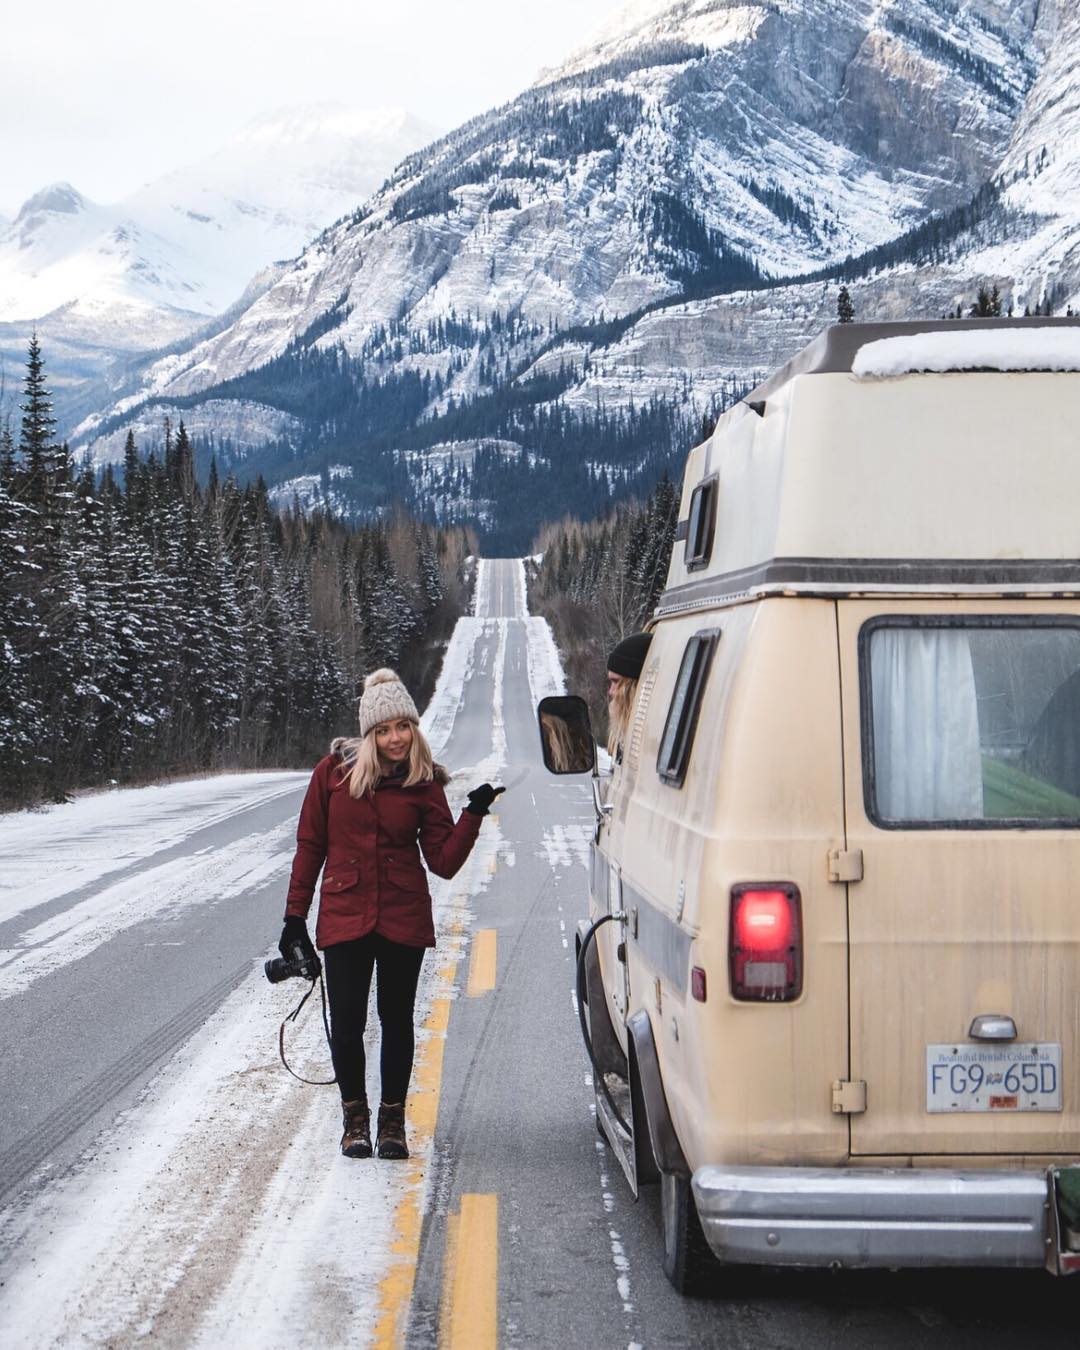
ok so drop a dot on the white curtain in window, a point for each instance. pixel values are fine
(927, 760)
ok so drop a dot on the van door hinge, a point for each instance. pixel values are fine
(845, 864)
(848, 1097)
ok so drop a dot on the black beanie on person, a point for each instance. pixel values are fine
(628, 657)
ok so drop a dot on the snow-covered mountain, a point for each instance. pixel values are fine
(141, 274)
(99, 266)
(1023, 236)
(617, 235)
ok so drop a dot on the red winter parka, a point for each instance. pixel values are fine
(374, 879)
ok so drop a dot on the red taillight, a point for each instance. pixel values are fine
(765, 942)
(697, 984)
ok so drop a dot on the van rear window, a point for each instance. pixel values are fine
(678, 737)
(970, 722)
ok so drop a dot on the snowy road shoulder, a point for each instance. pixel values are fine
(231, 1169)
(59, 850)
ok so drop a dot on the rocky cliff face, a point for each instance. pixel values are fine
(614, 237)
(1024, 239)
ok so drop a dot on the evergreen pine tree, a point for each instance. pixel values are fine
(38, 423)
(845, 310)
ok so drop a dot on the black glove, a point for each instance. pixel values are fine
(295, 931)
(480, 799)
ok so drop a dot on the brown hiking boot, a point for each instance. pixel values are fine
(356, 1141)
(391, 1139)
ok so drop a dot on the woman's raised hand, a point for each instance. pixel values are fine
(480, 798)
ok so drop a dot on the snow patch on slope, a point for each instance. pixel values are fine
(242, 423)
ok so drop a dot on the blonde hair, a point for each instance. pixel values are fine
(567, 743)
(620, 710)
(361, 768)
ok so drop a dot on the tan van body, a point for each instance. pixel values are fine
(843, 506)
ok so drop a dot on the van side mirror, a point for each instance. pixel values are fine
(566, 739)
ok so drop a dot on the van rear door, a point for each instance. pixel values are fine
(962, 789)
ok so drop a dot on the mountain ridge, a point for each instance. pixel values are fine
(619, 233)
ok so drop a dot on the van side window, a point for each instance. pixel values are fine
(682, 716)
(971, 722)
(701, 525)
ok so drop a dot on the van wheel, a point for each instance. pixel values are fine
(688, 1260)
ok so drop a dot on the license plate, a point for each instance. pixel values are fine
(993, 1078)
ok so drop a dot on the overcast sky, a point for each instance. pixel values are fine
(110, 95)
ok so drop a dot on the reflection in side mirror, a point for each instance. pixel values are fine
(566, 738)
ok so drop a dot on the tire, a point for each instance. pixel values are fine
(688, 1260)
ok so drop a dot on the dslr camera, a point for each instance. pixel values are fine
(293, 966)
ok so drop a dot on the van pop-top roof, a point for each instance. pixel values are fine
(909, 458)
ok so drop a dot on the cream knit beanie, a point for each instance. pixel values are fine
(385, 699)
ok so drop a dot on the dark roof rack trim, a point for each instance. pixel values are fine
(839, 576)
(833, 351)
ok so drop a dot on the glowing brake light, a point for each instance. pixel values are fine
(765, 948)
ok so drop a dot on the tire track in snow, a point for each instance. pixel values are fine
(18, 1162)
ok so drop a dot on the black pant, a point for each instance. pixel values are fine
(348, 980)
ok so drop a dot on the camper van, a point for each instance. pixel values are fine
(829, 983)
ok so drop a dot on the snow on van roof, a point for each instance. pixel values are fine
(989, 348)
(835, 349)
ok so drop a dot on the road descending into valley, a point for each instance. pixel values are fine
(162, 1179)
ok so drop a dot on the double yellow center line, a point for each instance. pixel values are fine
(481, 963)
(468, 1316)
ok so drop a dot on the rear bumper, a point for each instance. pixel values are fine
(862, 1217)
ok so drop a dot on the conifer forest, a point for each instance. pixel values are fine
(152, 624)
(598, 581)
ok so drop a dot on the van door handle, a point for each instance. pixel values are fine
(992, 1027)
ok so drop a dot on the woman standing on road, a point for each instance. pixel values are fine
(373, 805)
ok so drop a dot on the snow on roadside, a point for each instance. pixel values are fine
(152, 892)
(437, 723)
(49, 853)
(545, 668)
(219, 1210)
(545, 665)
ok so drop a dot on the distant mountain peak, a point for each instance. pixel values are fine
(303, 122)
(58, 198)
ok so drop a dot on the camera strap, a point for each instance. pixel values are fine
(311, 1082)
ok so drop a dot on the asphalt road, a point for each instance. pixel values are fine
(530, 1237)
(82, 1042)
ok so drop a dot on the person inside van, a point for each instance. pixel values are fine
(624, 666)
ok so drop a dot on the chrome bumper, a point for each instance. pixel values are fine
(856, 1217)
